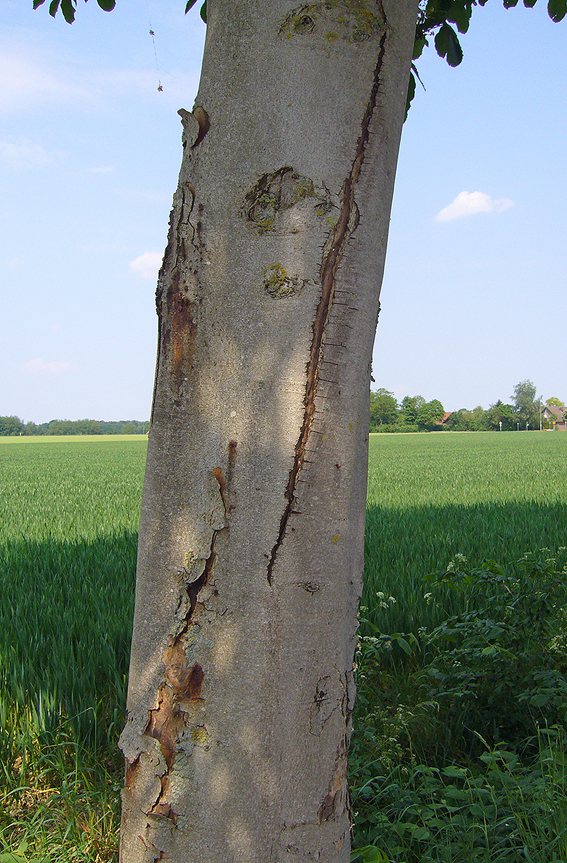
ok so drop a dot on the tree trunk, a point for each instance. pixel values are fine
(252, 526)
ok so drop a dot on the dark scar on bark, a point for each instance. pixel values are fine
(180, 337)
(329, 267)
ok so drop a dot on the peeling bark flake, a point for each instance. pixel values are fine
(202, 119)
(131, 772)
(219, 476)
(336, 800)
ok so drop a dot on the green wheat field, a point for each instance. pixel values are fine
(68, 533)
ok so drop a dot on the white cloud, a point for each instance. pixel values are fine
(25, 83)
(40, 367)
(26, 154)
(147, 265)
(467, 203)
(32, 77)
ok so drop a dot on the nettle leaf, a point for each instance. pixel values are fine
(557, 9)
(106, 5)
(447, 45)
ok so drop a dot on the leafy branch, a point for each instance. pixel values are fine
(435, 20)
(68, 7)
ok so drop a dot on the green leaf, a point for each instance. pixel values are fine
(37, 3)
(418, 46)
(509, 3)
(411, 94)
(189, 5)
(68, 10)
(460, 15)
(404, 645)
(557, 9)
(53, 7)
(529, 4)
(455, 772)
(106, 5)
(448, 46)
(368, 854)
(439, 6)
(203, 12)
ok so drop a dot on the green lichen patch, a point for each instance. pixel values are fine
(200, 736)
(273, 193)
(350, 20)
(278, 284)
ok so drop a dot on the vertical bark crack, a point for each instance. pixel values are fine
(333, 253)
(167, 722)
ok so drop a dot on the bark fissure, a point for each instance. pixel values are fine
(333, 253)
(170, 721)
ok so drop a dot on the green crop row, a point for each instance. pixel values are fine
(485, 495)
(68, 538)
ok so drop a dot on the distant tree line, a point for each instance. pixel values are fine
(415, 414)
(412, 414)
(10, 426)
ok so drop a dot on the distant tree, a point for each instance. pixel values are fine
(30, 428)
(461, 420)
(479, 418)
(10, 426)
(410, 407)
(501, 413)
(555, 402)
(524, 398)
(430, 414)
(61, 427)
(111, 427)
(129, 428)
(383, 408)
(87, 427)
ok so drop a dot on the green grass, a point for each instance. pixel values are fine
(68, 537)
(75, 438)
(459, 749)
(485, 495)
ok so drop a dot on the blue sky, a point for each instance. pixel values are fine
(474, 296)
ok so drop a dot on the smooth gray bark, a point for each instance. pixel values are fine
(251, 536)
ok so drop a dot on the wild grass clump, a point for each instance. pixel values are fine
(459, 750)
